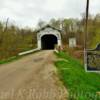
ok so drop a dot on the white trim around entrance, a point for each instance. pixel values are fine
(48, 31)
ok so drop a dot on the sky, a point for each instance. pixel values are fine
(29, 12)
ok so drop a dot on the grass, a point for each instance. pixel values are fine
(9, 59)
(80, 84)
(14, 58)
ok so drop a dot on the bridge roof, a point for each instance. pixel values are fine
(48, 26)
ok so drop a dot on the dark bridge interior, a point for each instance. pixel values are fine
(48, 42)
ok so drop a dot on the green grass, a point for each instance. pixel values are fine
(14, 58)
(79, 83)
(9, 59)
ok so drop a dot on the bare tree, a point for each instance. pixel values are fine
(6, 25)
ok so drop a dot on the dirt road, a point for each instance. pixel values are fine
(32, 77)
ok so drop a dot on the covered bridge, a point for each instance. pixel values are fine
(48, 37)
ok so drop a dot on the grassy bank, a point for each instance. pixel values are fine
(80, 84)
(11, 59)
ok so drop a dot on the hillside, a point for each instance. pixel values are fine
(80, 84)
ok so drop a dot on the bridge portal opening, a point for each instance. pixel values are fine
(48, 42)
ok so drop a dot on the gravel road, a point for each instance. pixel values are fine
(32, 77)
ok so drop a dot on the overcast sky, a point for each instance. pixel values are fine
(29, 12)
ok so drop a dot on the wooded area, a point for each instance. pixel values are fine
(14, 39)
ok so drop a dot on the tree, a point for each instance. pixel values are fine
(41, 23)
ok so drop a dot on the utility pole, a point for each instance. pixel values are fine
(86, 25)
(86, 34)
